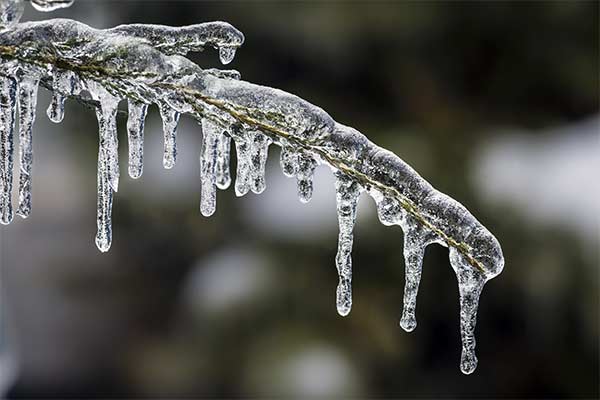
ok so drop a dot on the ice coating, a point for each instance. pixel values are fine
(224, 73)
(347, 193)
(185, 39)
(135, 135)
(208, 167)
(272, 108)
(170, 119)
(8, 102)
(136, 65)
(27, 87)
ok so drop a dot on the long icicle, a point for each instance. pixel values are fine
(135, 135)
(347, 194)
(28, 88)
(470, 284)
(208, 164)
(104, 209)
(8, 89)
(414, 250)
(107, 125)
(170, 119)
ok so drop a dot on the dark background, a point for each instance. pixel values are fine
(496, 104)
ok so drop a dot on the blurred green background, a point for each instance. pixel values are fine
(495, 104)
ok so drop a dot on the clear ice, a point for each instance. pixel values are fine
(289, 161)
(414, 250)
(64, 84)
(347, 193)
(208, 167)
(145, 64)
(182, 40)
(470, 284)
(8, 103)
(223, 158)
(259, 148)
(135, 136)
(170, 119)
(226, 54)
(306, 168)
(242, 180)
(27, 87)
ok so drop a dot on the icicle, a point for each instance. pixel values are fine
(259, 149)
(109, 143)
(470, 284)
(242, 180)
(64, 84)
(347, 194)
(56, 109)
(107, 123)
(414, 250)
(390, 212)
(135, 134)
(306, 168)
(170, 119)
(208, 164)
(28, 88)
(289, 162)
(226, 54)
(8, 88)
(105, 201)
(223, 149)
(108, 162)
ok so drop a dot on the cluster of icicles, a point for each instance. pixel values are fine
(381, 169)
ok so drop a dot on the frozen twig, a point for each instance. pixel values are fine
(144, 64)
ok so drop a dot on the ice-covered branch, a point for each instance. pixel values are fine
(144, 64)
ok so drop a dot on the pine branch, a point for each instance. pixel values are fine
(144, 64)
